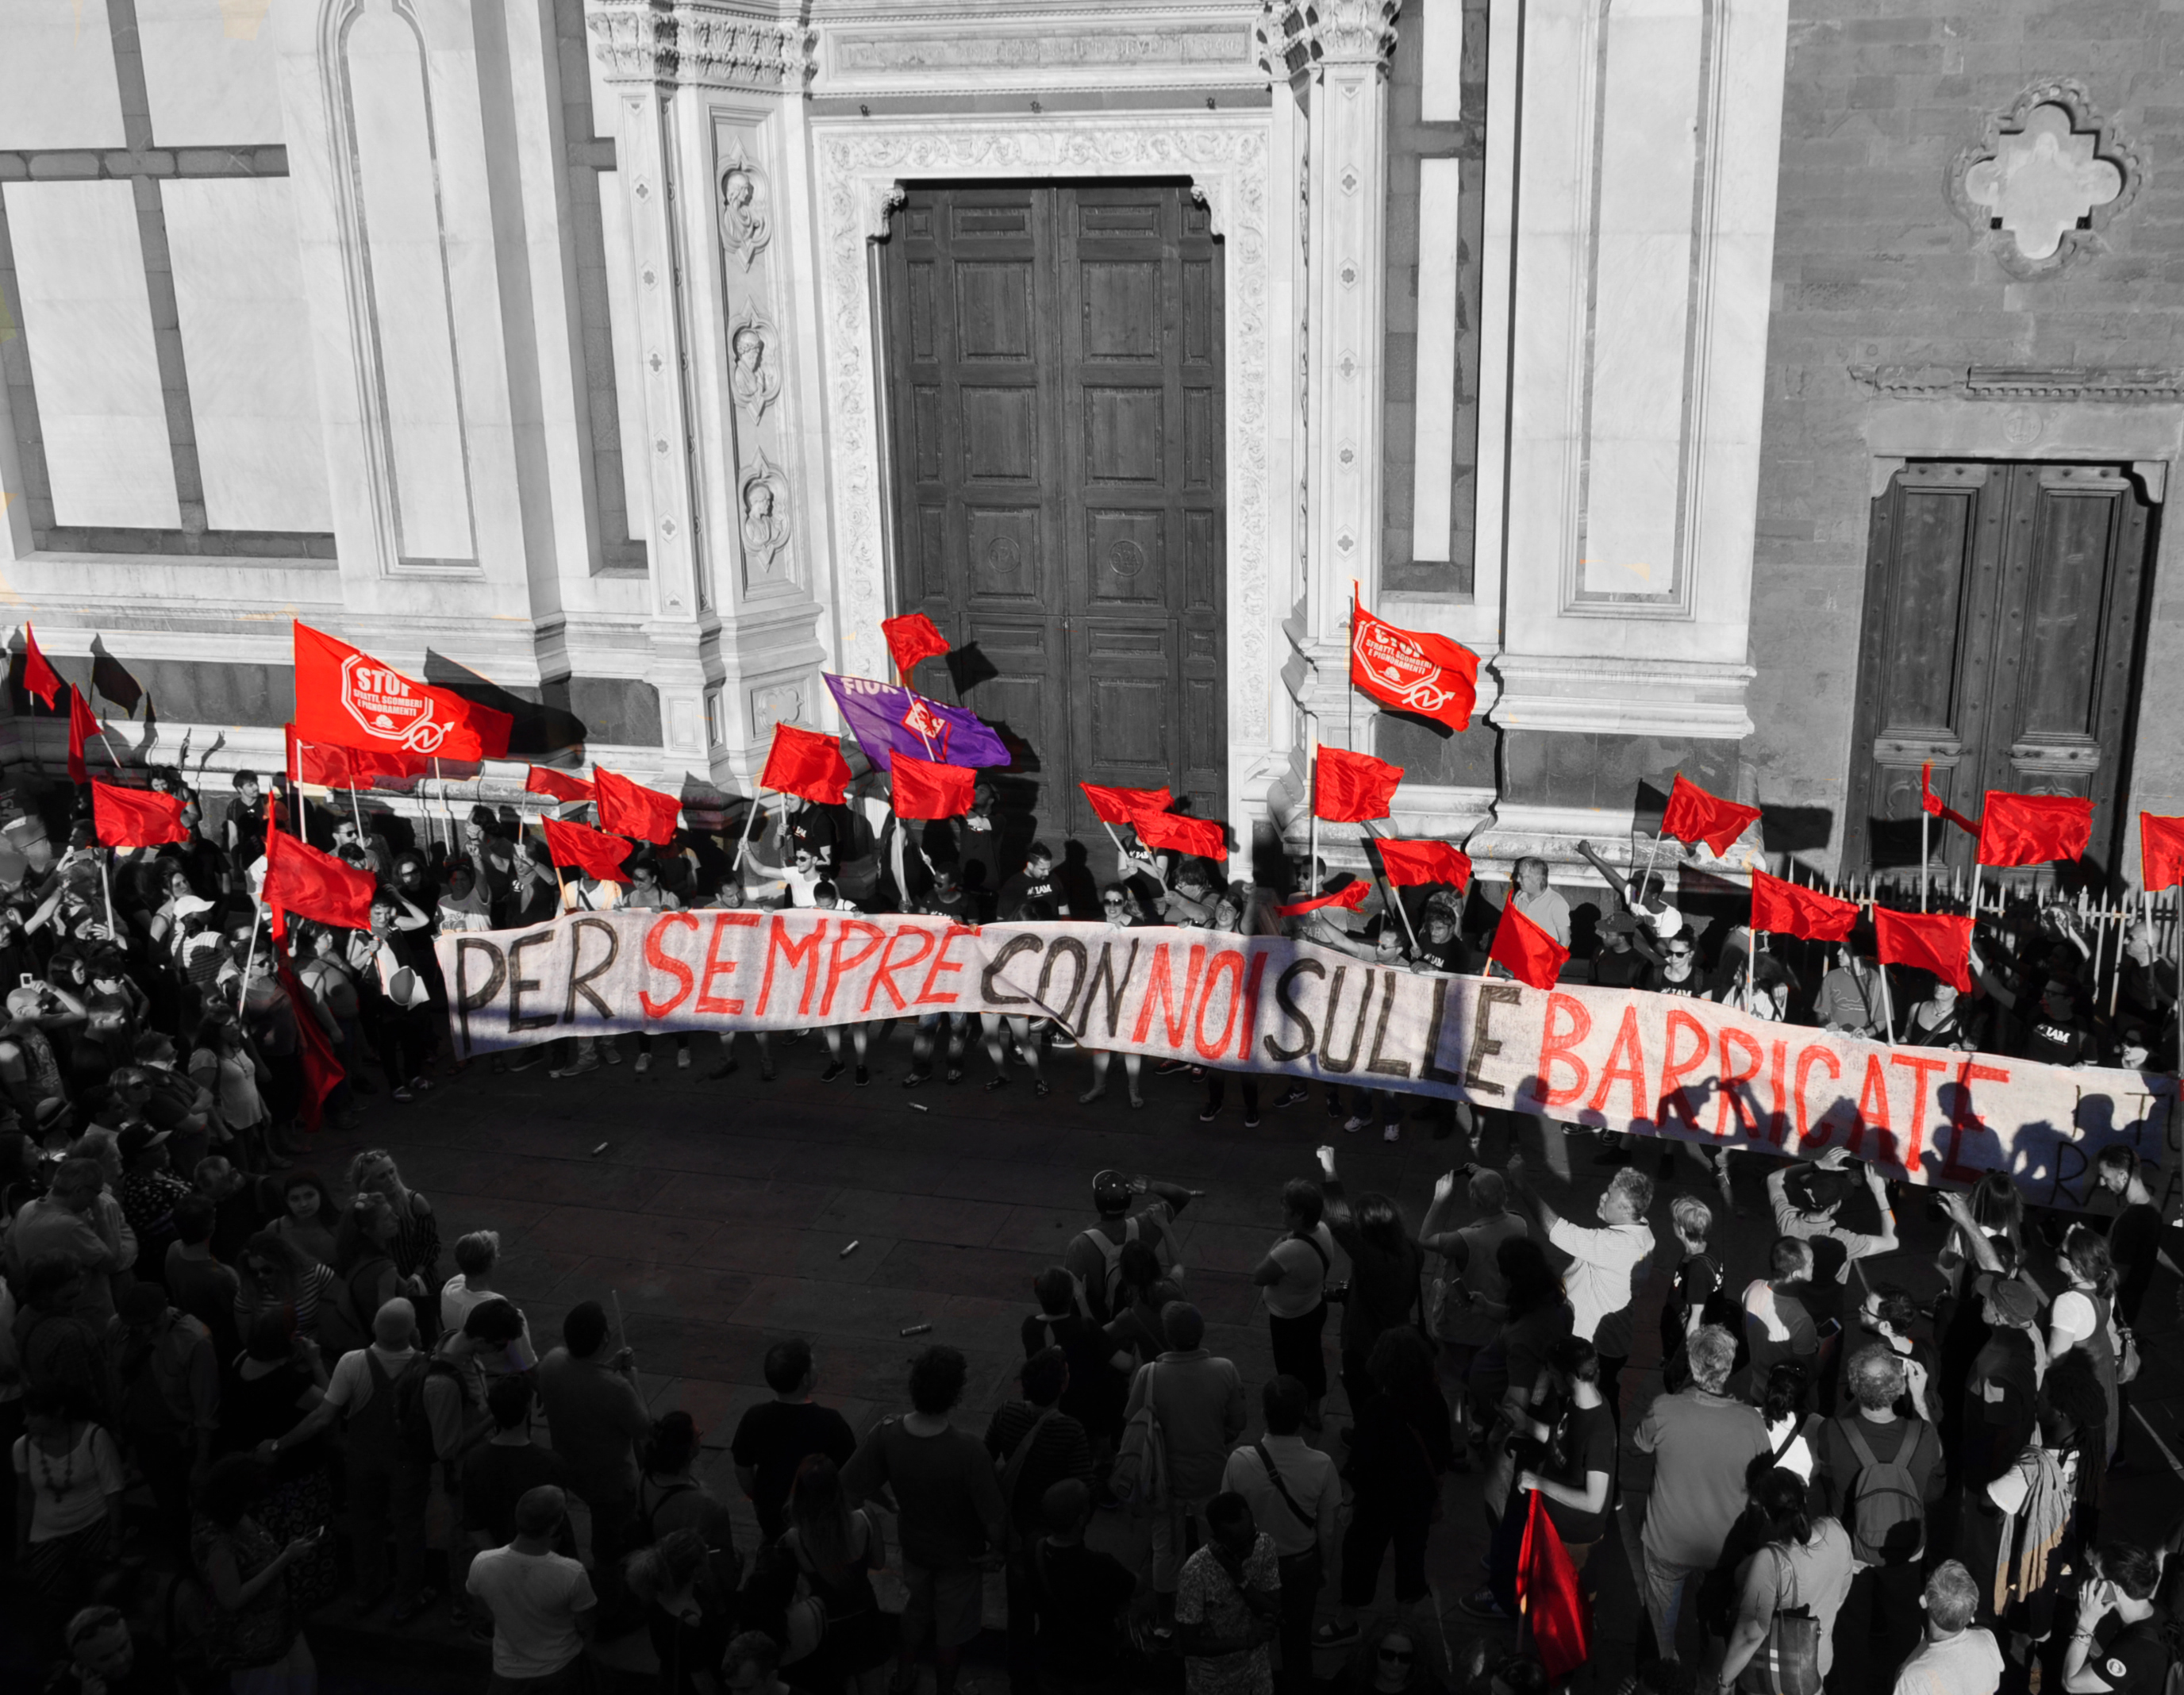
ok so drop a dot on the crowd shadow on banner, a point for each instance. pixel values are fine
(1954, 1152)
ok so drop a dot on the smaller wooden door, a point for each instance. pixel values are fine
(2002, 610)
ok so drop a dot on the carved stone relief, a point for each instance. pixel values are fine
(762, 500)
(2049, 175)
(754, 360)
(746, 211)
(698, 46)
(775, 703)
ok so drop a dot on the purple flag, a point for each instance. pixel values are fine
(886, 720)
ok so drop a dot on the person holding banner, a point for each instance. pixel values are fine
(1118, 911)
(729, 897)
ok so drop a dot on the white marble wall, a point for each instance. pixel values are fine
(246, 344)
(1434, 426)
(57, 82)
(211, 71)
(87, 320)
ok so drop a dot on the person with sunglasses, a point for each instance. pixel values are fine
(1391, 1660)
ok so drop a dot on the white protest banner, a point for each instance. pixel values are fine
(1617, 1059)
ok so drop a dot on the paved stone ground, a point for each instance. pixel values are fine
(719, 1215)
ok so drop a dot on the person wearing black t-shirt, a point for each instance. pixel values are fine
(1577, 1476)
(1079, 1595)
(776, 1436)
(2055, 1034)
(1033, 895)
(2135, 1234)
(2121, 1645)
(812, 829)
(1619, 964)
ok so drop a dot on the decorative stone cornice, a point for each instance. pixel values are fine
(2126, 384)
(670, 44)
(1295, 34)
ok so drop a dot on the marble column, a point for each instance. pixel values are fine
(704, 140)
(1338, 59)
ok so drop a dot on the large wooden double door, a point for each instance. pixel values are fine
(2003, 608)
(1056, 439)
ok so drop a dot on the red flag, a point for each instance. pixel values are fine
(341, 768)
(558, 785)
(136, 818)
(927, 789)
(301, 880)
(2032, 829)
(345, 696)
(629, 809)
(806, 763)
(83, 725)
(1410, 671)
(2160, 852)
(1939, 942)
(1791, 909)
(593, 852)
(1349, 787)
(1932, 802)
(910, 639)
(1123, 806)
(1695, 816)
(1203, 837)
(1349, 897)
(39, 678)
(1549, 1598)
(1531, 954)
(322, 1066)
(1407, 864)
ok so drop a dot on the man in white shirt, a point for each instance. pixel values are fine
(1605, 1265)
(544, 1610)
(1292, 1281)
(1295, 1496)
(1954, 1658)
(1540, 903)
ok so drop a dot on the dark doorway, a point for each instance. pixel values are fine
(2003, 604)
(1054, 355)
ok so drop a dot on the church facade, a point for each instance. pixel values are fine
(1779, 392)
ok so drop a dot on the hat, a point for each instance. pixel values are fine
(1816, 1189)
(1618, 924)
(189, 905)
(1111, 1188)
(2018, 1304)
(53, 1108)
(134, 1139)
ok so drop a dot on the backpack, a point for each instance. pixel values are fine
(1102, 1301)
(1885, 1515)
(1139, 1478)
(413, 1421)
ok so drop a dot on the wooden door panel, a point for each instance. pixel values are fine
(1005, 556)
(1125, 438)
(1122, 310)
(1126, 557)
(998, 427)
(993, 311)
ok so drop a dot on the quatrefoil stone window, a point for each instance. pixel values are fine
(2049, 175)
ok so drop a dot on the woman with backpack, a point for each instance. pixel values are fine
(1792, 1591)
(364, 1269)
(669, 1495)
(837, 1548)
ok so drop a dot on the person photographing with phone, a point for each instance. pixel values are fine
(2131, 1655)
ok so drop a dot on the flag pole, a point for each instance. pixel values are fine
(105, 883)
(250, 958)
(1387, 889)
(558, 882)
(1311, 831)
(1923, 868)
(750, 818)
(1887, 1004)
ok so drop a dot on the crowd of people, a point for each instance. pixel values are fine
(235, 1391)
